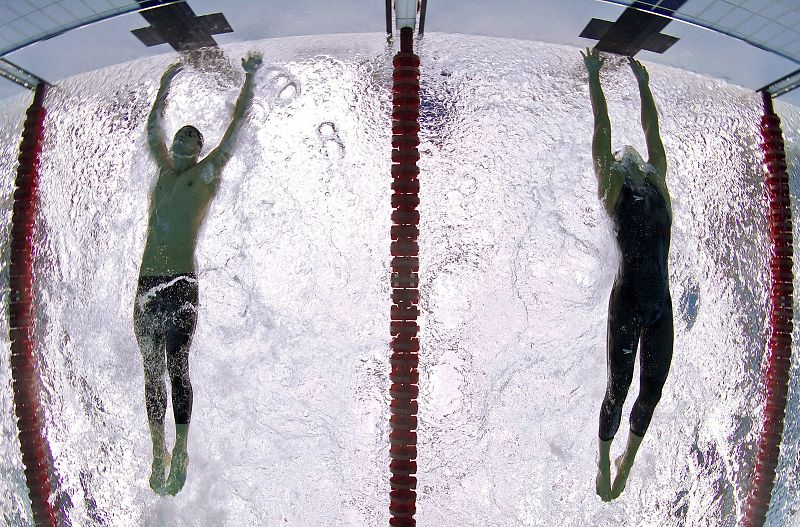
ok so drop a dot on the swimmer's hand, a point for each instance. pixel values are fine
(252, 62)
(639, 71)
(593, 60)
(168, 75)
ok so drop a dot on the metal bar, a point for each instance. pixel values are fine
(388, 17)
(422, 10)
(17, 75)
(766, 99)
(788, 89)
(782, 91)
(782, 79)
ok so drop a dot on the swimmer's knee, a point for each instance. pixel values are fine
(651, 388)
(618, 386)
(641, 415)
(643, 409)
(154, 371)
(178, 366)
(610, 417)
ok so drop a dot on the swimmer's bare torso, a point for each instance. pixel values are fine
(179, 203)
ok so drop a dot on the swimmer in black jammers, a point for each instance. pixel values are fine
(165, 310)
(640, 308)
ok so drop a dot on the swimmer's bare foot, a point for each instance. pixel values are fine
(177, 471)
(621, 478)
(157, 479)
(603, 483)
(624, 464)
(603, 480)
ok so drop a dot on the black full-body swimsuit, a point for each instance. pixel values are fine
(640, 307)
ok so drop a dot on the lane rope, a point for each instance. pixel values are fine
(404, 329)
(24, 374)
(781, 316)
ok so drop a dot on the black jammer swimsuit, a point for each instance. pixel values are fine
(640, 307)
(165, 316)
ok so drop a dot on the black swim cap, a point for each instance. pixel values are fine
(190, 128)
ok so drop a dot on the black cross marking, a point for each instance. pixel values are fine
(177, 25)
(637, 28)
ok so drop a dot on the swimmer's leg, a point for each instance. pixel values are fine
(180, 460)
(623, 339)
(624, 464)
(602, 482)
(151, 345)
(179, 339)
(656, 358)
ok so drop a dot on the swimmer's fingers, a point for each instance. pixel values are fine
(636, 65)
(639, 71)
(252, 62)
(594, 62)
(253, 57)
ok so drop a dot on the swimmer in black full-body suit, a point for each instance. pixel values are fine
(640, 308)
(165, 310)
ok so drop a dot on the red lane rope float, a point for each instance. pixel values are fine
(405, 284)
(781, 315)
(25, 378)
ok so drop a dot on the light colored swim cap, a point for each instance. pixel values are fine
(628, 161)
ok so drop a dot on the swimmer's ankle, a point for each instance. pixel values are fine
(182, 436)
(603, 478)
(631, 449)
(624, 464)
(605, 452)
(158, 440)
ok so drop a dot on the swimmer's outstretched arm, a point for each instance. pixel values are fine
(222, 153)
(609, 184)
(655, 147)
(155, 130)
